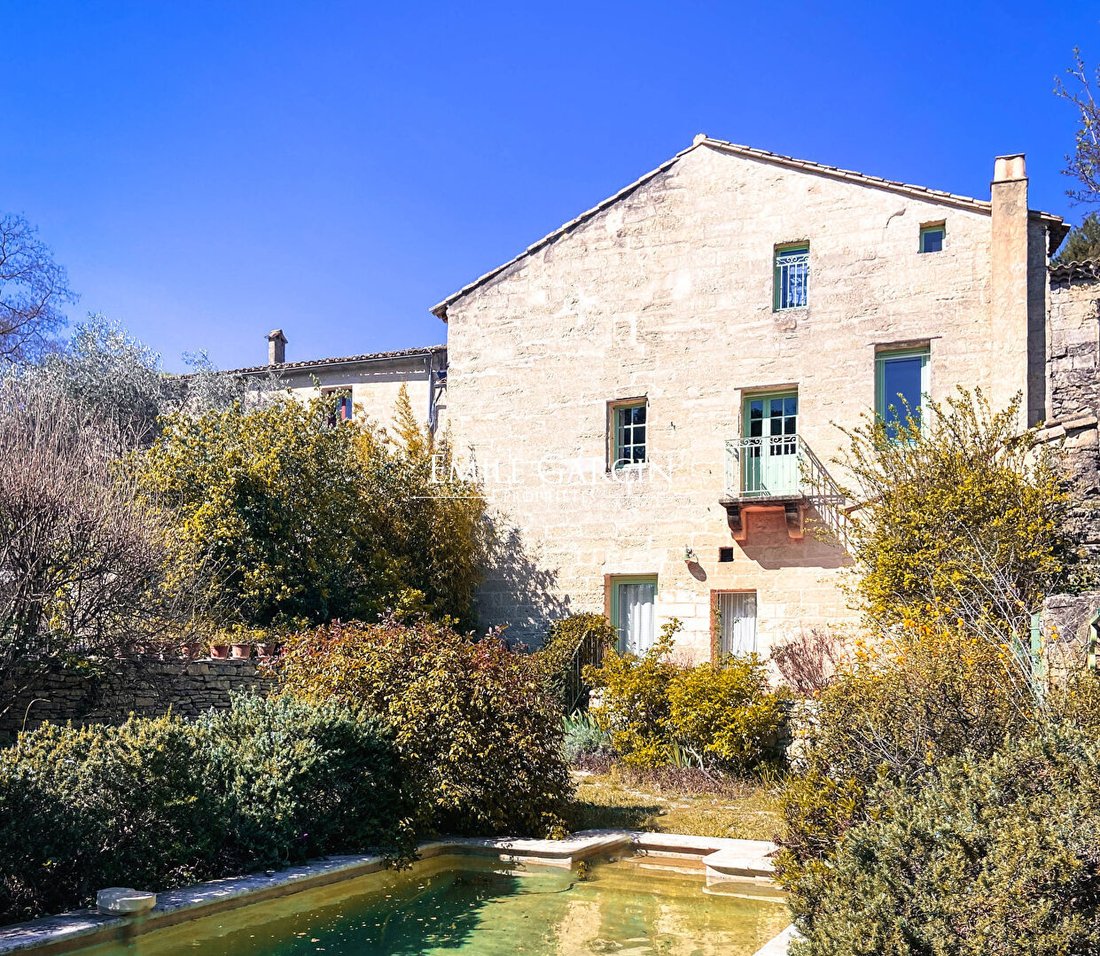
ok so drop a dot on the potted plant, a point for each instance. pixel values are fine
(219, 650)
(240, 650)
(190, 649)
(267, 649)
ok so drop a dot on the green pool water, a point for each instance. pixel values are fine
(454, 905)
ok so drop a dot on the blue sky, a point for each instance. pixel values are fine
(210, 171)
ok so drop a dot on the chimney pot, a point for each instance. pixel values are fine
(1011, 168)
(276, 347)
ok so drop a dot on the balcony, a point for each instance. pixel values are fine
(780, 473)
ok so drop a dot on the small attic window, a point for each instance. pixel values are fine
(931, 237)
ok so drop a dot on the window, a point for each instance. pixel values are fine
(342, 406)
(792, 277)
(632, 612)
(901, 382)
(931, 237)
(628, 421)
(769, 462)
(725, 555)
(736, 623)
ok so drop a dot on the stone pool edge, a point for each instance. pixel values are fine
(723, 859)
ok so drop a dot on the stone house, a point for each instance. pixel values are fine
(653, 394)
(364, 385)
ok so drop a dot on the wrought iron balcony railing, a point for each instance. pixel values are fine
(782, 469)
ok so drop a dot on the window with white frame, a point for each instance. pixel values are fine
(736, 612)
(633, 601)
(628, 444)
(791, 276)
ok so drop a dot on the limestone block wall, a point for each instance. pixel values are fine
(1074, 381)
(110, 692)
(667, 295)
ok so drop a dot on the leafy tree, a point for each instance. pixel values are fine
(273, 498)
(33, 290)
(307, 519)
(1083, 242)
(432, 519)
(1084, 164)
(961, 517)
(83, 560)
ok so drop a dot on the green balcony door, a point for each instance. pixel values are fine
(770, 448)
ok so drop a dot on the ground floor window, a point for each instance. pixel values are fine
(735, 622)
(632, 612)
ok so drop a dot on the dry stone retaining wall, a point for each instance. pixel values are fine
(111, 692)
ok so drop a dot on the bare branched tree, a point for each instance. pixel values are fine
(86, 568)
(1084, 163)
(33, 290)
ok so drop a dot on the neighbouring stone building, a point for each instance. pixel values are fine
(363, 385)
(652, 393)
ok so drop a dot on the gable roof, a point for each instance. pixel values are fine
(367, 357)
(1057, 225)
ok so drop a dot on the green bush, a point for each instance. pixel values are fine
(992, 854)
(84, 808)
(633, 704)
(725, 714)
(473, 722)
(927, 694)
(299, 781)
(162, 802)
(722, 717)
(556, 656)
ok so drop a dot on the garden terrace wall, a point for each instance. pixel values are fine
(109, 693)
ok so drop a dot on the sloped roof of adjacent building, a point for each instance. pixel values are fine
(1088, 269)
(366, 357)
(1056, 223)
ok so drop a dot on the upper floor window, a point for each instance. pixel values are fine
(792, 276)
(342, 406)
(932, 236)
(901, 382)
(628, 422)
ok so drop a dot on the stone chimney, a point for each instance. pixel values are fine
(276, 347)
(1018, 332)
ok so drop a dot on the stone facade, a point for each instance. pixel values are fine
(664, 294)
(1074, 382)
(109, 693)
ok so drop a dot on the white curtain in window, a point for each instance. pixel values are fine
(737, 611)
(636, 620)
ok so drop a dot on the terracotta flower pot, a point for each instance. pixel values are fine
(267, 649)
(190, 650)
(240, 652)
(219, 651)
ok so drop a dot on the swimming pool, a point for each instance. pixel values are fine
(460, 904)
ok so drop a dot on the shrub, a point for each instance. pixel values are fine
(84, 808)
(299, 781)
(584, 740)
(161, 802)
(633, 702)
(924, 695)
(725, 714)
(993, 854)
(472, 720)
(721, 717)
(960, 516)
(810, 661)
(558, 656)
